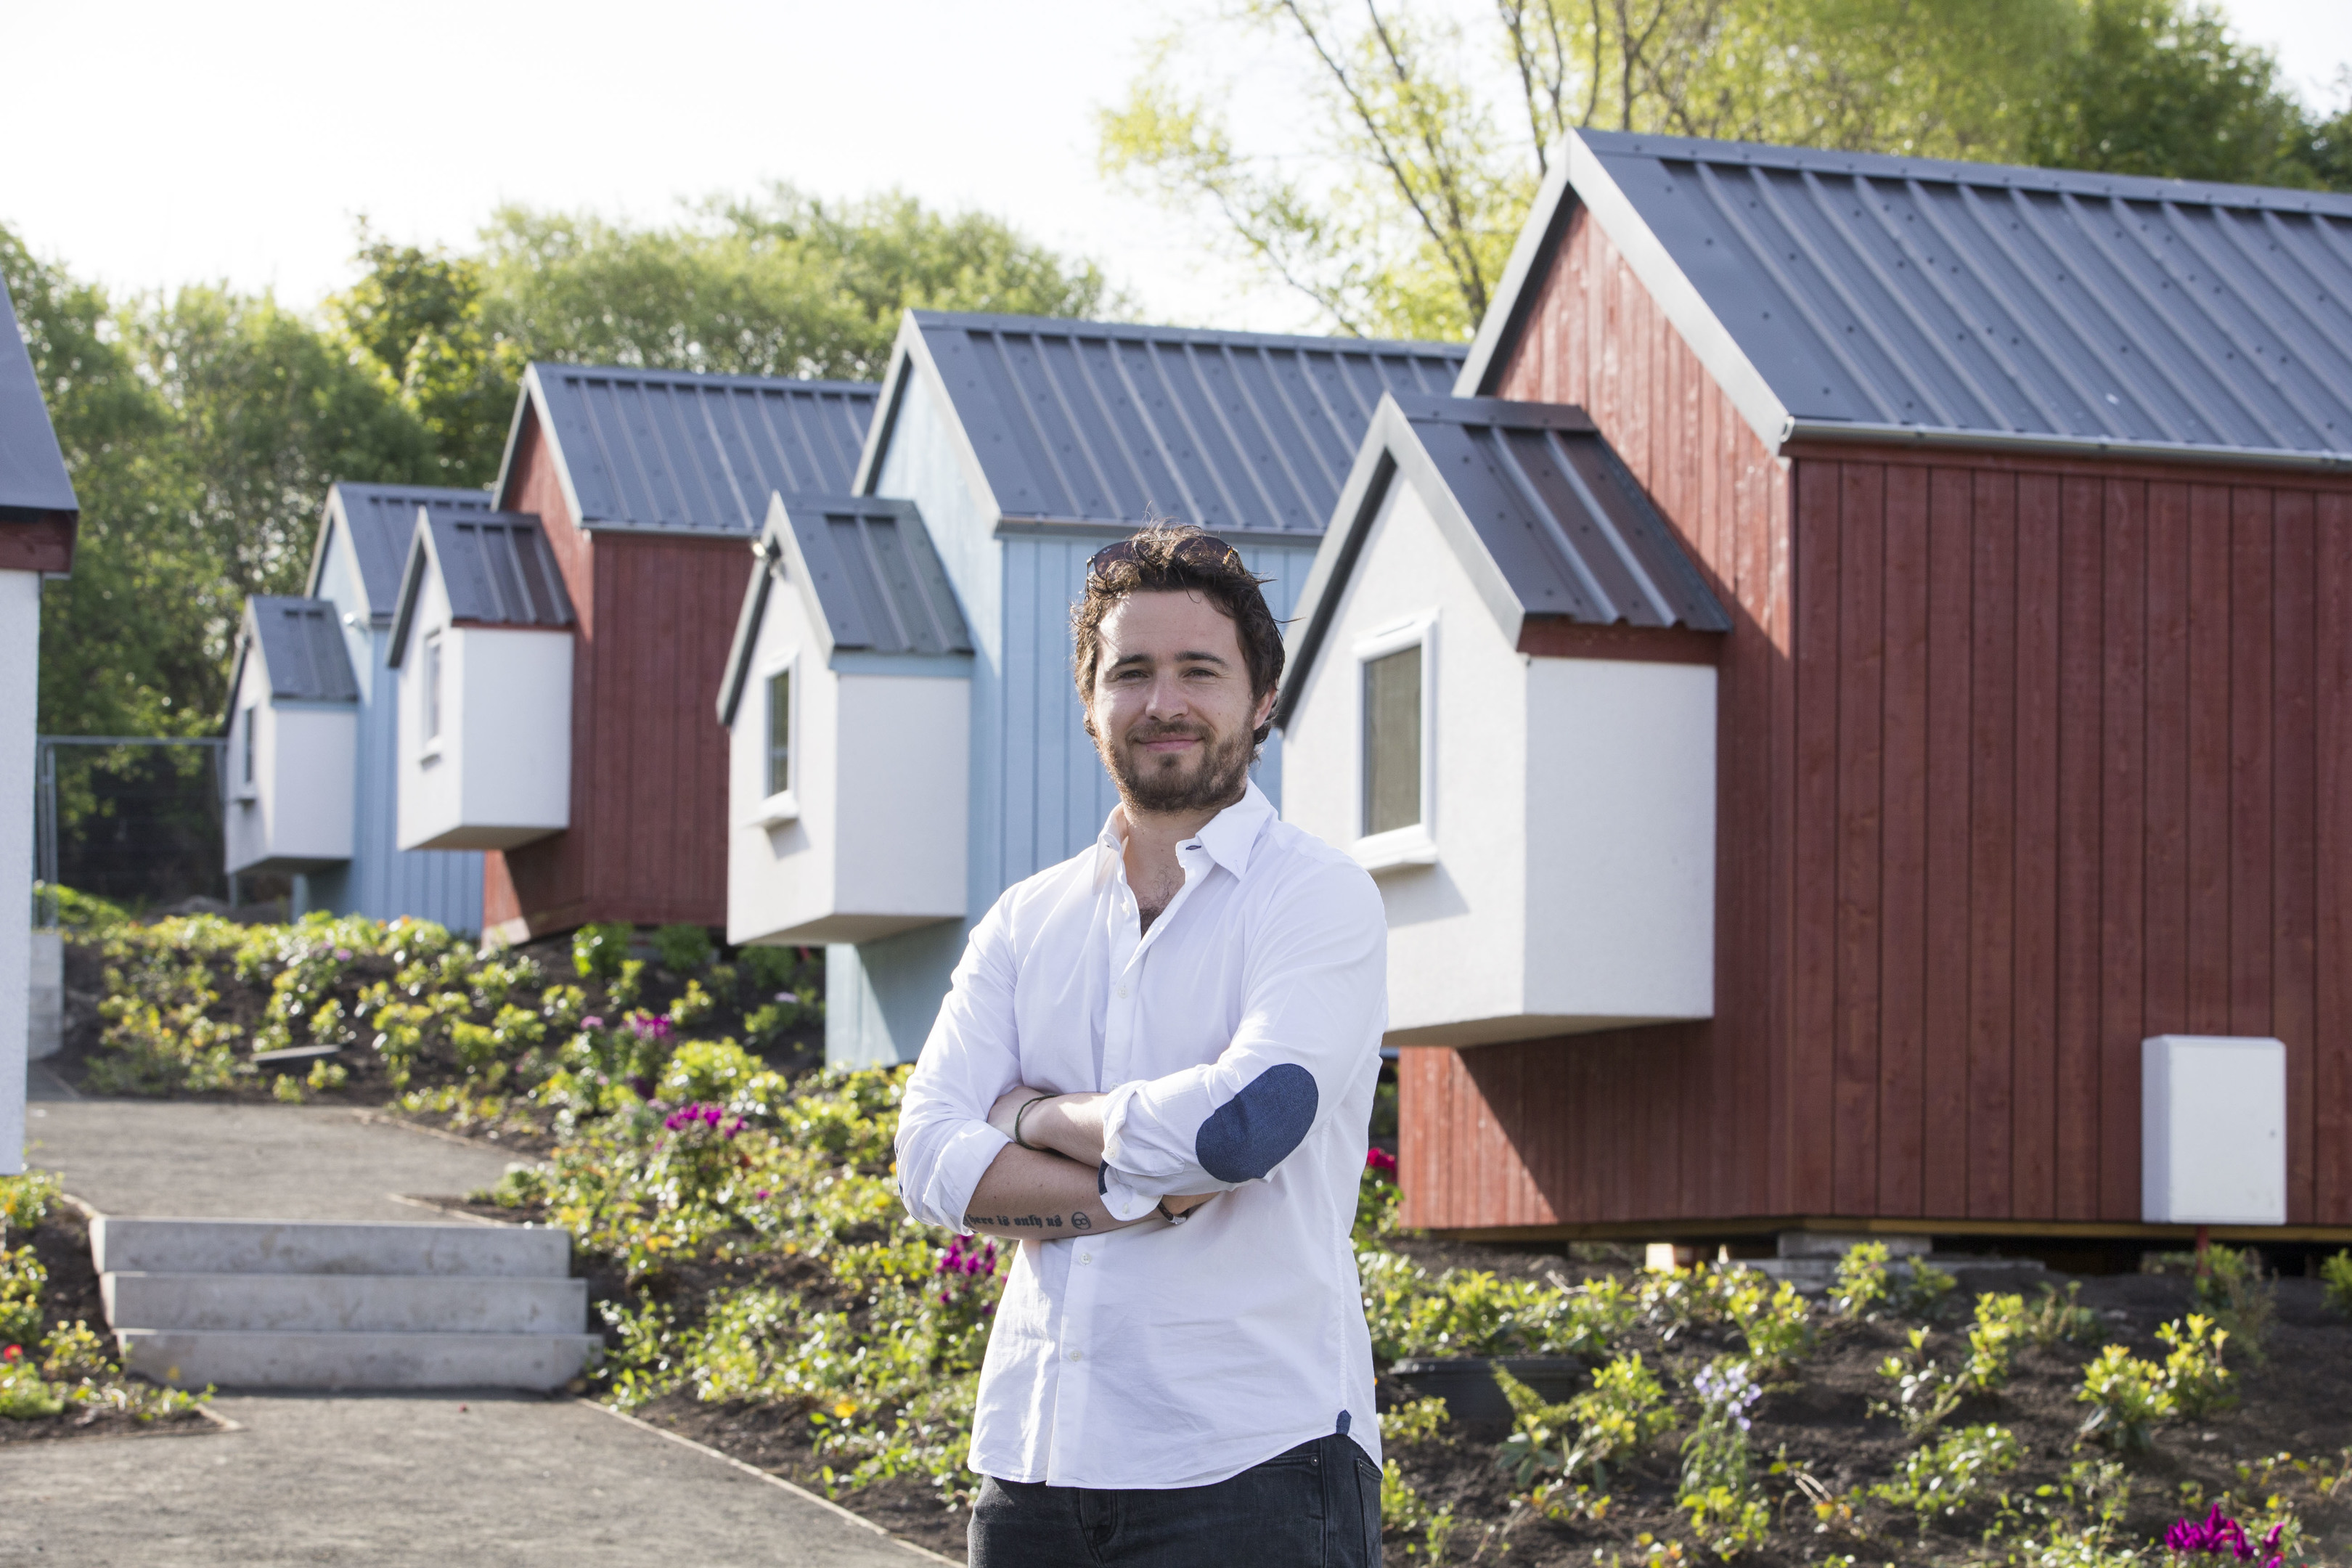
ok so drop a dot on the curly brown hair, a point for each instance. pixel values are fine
(1162, 557)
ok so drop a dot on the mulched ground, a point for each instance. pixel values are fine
(61, 1242)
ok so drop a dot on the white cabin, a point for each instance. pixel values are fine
(293, 735)
(847, 703)
(483, 634)
(1501, 700)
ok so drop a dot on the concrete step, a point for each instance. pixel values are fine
(124, 1245)
(248, 1359)
(346, 1303)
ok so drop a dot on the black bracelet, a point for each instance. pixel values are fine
(1172, 1218)
(1016, 1123)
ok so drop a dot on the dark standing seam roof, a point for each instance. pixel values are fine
(382, 520)
(1085, 421)
(33, 477)
(496, 569)
(876, 576)
(1977, 298)
(673, 451)
(302, 649)
(1565, 522)
(874, 571)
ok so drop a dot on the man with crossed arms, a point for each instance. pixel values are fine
(1155, 1071)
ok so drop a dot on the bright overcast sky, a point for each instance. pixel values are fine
(239, 140)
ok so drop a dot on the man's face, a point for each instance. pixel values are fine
(1171, 712)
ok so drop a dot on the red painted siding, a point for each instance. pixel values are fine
(647, 842)
(2022, 760)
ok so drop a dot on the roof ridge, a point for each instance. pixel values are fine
(1965, 172)
(1067, 324)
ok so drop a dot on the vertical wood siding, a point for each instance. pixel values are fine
(2023, 761)
(648, 840)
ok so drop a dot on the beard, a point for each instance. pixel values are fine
(1212, 778)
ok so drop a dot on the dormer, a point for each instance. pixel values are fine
(848, 703)
(293, 730)
(483, 633)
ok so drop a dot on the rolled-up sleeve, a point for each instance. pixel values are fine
(945, 1143)
(1316, 1001)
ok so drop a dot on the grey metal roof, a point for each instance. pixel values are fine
(383, 523)
(1864, 293)
(1100, 422)
(866, 567)
(1547, 518)
(33, 478)
(674, 452)
(302, 649)
(495, 566)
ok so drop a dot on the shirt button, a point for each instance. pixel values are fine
(1122, 993)
(1071, 1354)
(1086, 1257)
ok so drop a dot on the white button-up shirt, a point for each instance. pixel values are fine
(1239, 1042)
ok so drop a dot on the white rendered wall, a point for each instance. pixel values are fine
(877, 841)
(1572, 811)
(1457, 929)
(20, 657)
(245, 832)
(500, 773)
(1620, 770)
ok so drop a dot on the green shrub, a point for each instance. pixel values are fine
(2335, 1283)
(1403, 1514)
(2001, 1321)
(1415, 1421)
(599, 951)
(1718, 1490)
(1770, 1315)
(684, 949)
(25, 1395)
(1944, 1478)
(2129, 1398)
(2193, 1373)
(1868, 1285)
(26, 1201)
(2054, 1319)
(1926, 1392)
(1623, 1412)
(82, 914)
(21, 1279)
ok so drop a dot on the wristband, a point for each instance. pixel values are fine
(1016, 1123)
(1172, 1218)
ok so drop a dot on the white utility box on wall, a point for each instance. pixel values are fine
(2212, 1131)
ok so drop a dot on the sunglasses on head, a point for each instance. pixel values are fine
(1202, 552)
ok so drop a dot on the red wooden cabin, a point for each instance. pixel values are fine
(650, 487)
(2029, 495)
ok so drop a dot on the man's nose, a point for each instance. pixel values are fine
(1167, 698)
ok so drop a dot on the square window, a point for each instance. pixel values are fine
(780, 732)
(1393, 741)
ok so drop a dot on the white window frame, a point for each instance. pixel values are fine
(432, 692)
(1415, 845)
(784, 805)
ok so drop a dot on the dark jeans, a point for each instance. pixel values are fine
(1317, 1506)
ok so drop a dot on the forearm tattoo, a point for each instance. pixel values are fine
(1077, 1221)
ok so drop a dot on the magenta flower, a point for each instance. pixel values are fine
(1380, 1160)
(2220, 1535)
(592, 1022)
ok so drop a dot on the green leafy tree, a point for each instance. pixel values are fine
(783, 284)
(415, 319)
(1400, 217)
(2155, 87)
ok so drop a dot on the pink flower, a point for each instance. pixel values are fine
(1380, 1160)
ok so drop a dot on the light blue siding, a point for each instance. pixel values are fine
(381, 880)
(1039, 793)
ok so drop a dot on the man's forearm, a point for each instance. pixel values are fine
(1027, 1194)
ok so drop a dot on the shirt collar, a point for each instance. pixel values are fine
(1230, 837)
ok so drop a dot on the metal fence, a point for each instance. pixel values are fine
(134, 819)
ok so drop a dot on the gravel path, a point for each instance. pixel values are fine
(484, 1480)
(197, 1160)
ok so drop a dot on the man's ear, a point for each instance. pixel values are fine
(1266, 708)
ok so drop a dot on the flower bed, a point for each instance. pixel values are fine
(764, 1293)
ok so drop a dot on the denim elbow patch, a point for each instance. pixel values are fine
(1250, 1135)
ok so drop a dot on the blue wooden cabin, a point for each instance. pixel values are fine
(1025, 446)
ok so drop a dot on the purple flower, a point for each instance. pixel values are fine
(592, 1022)
(343, 954)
